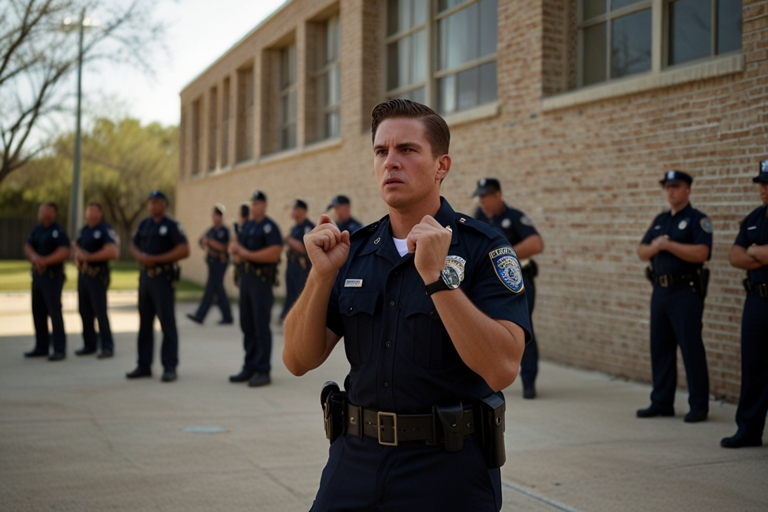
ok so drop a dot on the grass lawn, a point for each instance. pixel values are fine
(15, 276)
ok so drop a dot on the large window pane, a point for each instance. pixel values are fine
(618, 4)
(419, 57)
(444, 5)
(407, 60)
(405, 14)
(690, 30)
(728, 25)
(487, 83)
(334, 89)
(594, 63)
(594, 8)
(488, 24)
(447, 91)
(468, 85)
(631, 44)
(459, 41)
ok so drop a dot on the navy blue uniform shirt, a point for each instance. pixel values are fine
(754, 230)
(299, 230)
(220, 234)
(45, 240)
(688, 226)
(93, 239)
(402, 359)
(159, 237)
(513, 224)
(351, 225)
(258, 235)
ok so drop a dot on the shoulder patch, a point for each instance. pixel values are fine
(507, 268)
(526, 221)
(706, 225)
(181, 228)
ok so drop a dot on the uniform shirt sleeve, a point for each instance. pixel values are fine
(62, 240)
(649, 236)
(109, 234)
(741, 238)
(32, 238)
(138, 237)
(524, 225)
(225, 239)
(176, 233)
(489, 293)
(702, 233)
(273, 237)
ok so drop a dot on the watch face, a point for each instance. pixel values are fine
(450, 277)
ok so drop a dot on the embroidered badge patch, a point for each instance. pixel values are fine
(506, 223)
(683, 224)
(268, 228)
(706, 224)
(507, 268)
(163, 230)
(97, 234)
(55, 234)
(457, 263)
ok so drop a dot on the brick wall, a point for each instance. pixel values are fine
(586, 174)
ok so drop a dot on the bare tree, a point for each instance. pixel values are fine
(36, 55)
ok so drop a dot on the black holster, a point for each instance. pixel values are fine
(489, 418)
(650, 274)
(451, 419)
(702, 281)
(334, 403)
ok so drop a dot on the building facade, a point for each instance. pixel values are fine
(577, 106)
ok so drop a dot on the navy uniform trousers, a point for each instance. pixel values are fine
(676, 320)
(359, 469)
(753, 402)
(92, 302)
(46, 301)
(255, 309)
(529, 365)
(156, 298)
(214, 289)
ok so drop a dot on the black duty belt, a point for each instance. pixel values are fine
(391, 429)
(93, 269)
(157, 269)
(754, 288)
(668, 280)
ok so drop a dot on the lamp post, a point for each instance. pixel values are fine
(76, 195)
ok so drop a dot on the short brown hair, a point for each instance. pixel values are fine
(435, 128)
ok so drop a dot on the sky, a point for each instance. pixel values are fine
(199, 32)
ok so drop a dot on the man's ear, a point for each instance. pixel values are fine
(443, 167)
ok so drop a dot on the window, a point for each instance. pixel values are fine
(245, 97)
(616, 37)
(213, 127)
(225, 124)
(455, 73)
(197, 136)
(702, 28)
(287, 102)
(328, 81)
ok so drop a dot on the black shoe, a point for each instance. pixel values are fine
(194, 319)
(224, 322)
(35, 353)
(695, 417)
(654, 411)
(57, 356)
(168, 376)
(243, 376)
(138, 373)
(259, 379)
(529, 393)
(740, 440)
(85, 351)
(105, 353)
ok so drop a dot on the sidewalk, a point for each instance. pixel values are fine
(76, 435)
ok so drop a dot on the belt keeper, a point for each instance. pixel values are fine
(355, 420)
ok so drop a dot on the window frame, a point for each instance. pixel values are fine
(326, 68)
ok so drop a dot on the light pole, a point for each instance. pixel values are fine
(76, 195)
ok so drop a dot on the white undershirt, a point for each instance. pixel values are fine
(401, 245)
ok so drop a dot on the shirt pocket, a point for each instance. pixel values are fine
(358, 309)
(426, 342)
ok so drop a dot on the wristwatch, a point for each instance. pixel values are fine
(449, 280)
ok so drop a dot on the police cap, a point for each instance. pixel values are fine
(487, 186)
(298, 203)
(219, 208)
(258, 195)
(156, 194)
(762, 174)
(676, 175)
(336, 201)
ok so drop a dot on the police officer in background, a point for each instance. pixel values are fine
(258, 246)
(750, 252)
(157, 246)
(215, 243)
(95, 246)
(432, 309)
(243, 214)
(678, 243)
(299, 265)
(342, 213)
(518, 228)
(47, 248)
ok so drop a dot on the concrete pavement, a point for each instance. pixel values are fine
(76, 435)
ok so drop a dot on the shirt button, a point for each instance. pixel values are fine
(391, 303)
(350, 309)
(386, 384)
(388, 344)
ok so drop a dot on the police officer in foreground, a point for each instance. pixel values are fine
(157, 246)
(432, 308)
(342, 213)
(298, 267)
(258, 246)
(47, 248)
(678, 243)
(215, 243)
(750, 252)
(95, 246)
(518, 228)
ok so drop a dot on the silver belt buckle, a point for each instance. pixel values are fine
(381, 414)
(664, 281)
